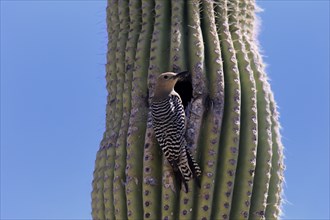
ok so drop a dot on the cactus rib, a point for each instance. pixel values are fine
(273, 209)
(248, 133)
(112, 89)
(138, 117)
(120, 159)
(214, 112)
(178, 51)
(264, 152)
(230, 131)
(195, 61)
(98, 185)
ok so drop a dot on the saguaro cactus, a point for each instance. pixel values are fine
(232, 120)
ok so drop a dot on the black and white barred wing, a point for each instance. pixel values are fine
(169, 126)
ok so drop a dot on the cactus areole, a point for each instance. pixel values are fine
(232, 126)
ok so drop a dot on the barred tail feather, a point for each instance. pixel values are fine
(196, 170)
(179, 176)
(188, 169)
(185, 175)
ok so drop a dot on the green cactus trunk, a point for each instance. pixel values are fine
(232, 119)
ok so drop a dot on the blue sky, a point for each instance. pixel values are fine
(53, 103)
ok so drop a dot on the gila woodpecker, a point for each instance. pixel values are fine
(168, 120)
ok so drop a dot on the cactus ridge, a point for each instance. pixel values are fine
(232, 125)
(230, 131)
(138, 118)
(248, 132)
(213, 114)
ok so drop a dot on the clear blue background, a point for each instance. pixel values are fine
(53, 103)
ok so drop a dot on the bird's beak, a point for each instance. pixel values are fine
(182, 75)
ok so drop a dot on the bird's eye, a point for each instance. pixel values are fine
(165, 77)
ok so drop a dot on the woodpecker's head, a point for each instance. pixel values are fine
(166, 82)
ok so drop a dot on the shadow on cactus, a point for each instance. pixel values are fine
(231, 121)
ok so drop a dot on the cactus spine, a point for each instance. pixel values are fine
(232, 118)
